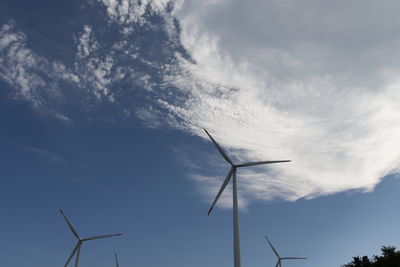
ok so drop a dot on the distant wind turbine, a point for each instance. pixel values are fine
(278, 263)
(232, 172)
(80, 241)
(116, 259)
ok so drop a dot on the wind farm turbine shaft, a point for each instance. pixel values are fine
(236, 241)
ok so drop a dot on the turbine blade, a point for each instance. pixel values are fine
(100, 236)
(77, 255)
(276, 253)
(72, 254)
(221, 189)
(293, 258)
(261, 162)
(116, 259)
(219, 148)
(69, 224)
(277, 263)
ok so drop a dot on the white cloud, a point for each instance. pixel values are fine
(103, 69)
(38, 80)
(26, 71)
(132, 11)
(94, 67)
(150, 117)
(284, 79)
(125, 11)
(87, 44)
(15, 61)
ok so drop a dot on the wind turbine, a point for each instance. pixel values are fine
(80, 241)
(116, 259)
(232, 172)
(278, 263)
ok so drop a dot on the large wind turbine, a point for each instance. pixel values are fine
(278, 263)
(80, 241)
(232, 172)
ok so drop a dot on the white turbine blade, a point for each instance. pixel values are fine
(219, 148)
(116, 259)
(77, 255)
(100, 236)
(276, 253)
(221, 189)
(70, 225)
(293, 258)
(72, 254)
(261, 162)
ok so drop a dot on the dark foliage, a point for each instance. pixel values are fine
(390, 258)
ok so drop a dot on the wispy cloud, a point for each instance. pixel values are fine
(54, 158)
(33, 77)
(17, 60)
(126, 12)
(94, 66)
(104, 70)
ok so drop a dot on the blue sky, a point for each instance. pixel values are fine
(102, 105)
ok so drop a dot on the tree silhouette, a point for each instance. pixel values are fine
(390, 258)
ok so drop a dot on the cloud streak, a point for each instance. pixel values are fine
(104, 71)
(32, 77)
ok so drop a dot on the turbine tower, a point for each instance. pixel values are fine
(232, 172)
(80, 241)
(116, 259)
(278, 263)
